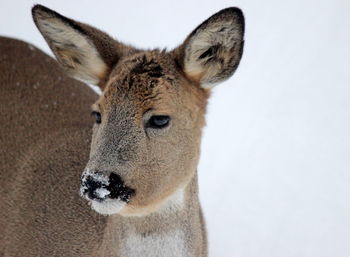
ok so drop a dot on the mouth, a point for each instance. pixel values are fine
(106, 194)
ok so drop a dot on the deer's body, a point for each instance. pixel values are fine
(42, 155)
(141, 170)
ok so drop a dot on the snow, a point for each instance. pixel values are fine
(98, 177)
(102, 192)
(274, 172)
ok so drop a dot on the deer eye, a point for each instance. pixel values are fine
(97, 116)
(158, 121)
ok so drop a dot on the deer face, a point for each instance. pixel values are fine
(146, 138)
(147, 132)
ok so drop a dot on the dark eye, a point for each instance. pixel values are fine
(97, 116)
(159, 121)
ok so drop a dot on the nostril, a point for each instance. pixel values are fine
(91, 183)
(94, 186)
(118, 189)
(91, 186)
(115, 179)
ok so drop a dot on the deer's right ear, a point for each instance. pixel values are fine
(84, 52)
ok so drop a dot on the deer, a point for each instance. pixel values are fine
(138, 169)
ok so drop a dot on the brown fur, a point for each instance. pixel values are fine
(47, 138)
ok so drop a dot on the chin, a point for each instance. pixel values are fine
(112, 206)
(170, 204)
(108, 206)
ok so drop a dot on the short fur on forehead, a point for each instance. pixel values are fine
(213, 50)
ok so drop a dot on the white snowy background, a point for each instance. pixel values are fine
(275, 163)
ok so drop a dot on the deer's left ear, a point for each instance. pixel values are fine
(212, 52)
(84, 52)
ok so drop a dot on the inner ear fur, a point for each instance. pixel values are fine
(212, 52)
(85, 52)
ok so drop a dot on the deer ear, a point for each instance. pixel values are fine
(84, 52)
(212, 52)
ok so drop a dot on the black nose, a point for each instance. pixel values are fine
(99, 187)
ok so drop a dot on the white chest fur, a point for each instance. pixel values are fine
(171, 244)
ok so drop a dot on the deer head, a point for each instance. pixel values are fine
(149, 117)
